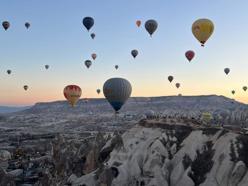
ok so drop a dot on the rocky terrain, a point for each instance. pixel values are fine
(153, 141)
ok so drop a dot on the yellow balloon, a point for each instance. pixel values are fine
(202, 30)
(72, 93)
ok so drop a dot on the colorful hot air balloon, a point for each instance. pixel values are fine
(177, 85)
(202, 29)
(151, 26)
(116, 67)
(27, 25)
(244, 88)
(8, 71)
(92, 35)
(190, 55)
(93, 56)
(72, 93)
(88, 63)
(233, 92)
(5, 25)
(98, 91)
(134, 53)
(170, 78)
(227, 70)
(46, 66)
(117, 91)
(138, 23)
(88, 22)
(25, 87)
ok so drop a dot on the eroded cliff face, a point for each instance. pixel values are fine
(157, 153)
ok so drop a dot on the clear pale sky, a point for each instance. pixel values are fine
(58, 38)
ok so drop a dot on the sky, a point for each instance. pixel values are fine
(58, 38)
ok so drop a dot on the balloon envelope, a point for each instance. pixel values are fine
(233, 92)
(134, 53)
(98, 91)
(170, 78)
(25, 87)
(202, 29)
(88, 22)
(117, 91)
(88, 63)
(8, 71)
(5, 25)
(46, 66)
(151, 26)
(92, 35)
(244, 88)
(116, 67)
(227, 70)
(93, 56)
(138, 23)
(190, 54)
(72, 93)
(27, 25)
(177, 85)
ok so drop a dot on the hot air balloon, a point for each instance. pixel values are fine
(206, 117)
(170, 78)
(134, 53)
(244, 88)
(8, 71)
(233, 92)
(27, 25)
(72, 93)
(46, 66)
(177, 85)
(88, 63)
(88, 22)
(117, 91)
(202, 29)
(189, 55)
(227, 70)
(6, 25)
(138, 23)
(151, 26)
(92, 35)
(98, 91)
(93, 56)
(25, 87)
(116, 67)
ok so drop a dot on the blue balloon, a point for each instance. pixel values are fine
(117, 91)
(88, 22)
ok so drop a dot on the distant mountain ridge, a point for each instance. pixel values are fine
(8, 109)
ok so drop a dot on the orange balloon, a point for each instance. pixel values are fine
(72, 93)
(138, 23)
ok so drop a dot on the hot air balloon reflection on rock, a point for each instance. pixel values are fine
(117, 91)
(72, 93)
